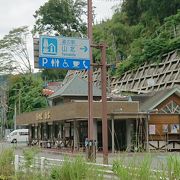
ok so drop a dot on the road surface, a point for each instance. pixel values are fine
(157, 157)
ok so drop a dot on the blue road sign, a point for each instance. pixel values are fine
(50, 63)
(49, 46)
(64, 52)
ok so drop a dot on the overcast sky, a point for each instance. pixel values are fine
(16, 13)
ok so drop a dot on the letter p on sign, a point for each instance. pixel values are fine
(44, 61)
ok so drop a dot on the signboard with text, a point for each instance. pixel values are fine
(64, 53)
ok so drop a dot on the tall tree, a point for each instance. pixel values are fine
(25, 92)
(131, 8)
(62, 16)
(14, 52)
(146, 10)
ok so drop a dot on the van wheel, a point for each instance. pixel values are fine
(14, 141)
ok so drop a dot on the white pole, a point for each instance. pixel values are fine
(42, 164)
(15, 115)
(16, 163)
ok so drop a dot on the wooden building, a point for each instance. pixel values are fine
(164, 119)
(148, 120)
(65, 124)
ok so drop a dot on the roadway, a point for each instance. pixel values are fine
(157, 157)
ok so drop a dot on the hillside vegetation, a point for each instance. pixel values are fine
(140, 31)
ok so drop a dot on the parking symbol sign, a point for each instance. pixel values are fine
(64, 52)
(49, 46)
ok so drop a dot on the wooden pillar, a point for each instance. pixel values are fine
(51, 130)
(129, 130)
(39, 131)
(95, 131)
(45, 131)
(112, 126)
(75, 136)
(30, 134)
(147, 133)
(36, 131)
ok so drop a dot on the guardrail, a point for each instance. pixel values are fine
(43, 164)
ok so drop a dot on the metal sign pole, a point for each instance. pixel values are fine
(104, 104)
(90, 73)
(91, 146)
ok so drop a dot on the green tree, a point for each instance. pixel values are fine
(53, 74)
(26, 92)
(117, 34)
(62, 16)
(14, 52)
(144, 10)
(140, 31)
(131, 8)
(165, 39)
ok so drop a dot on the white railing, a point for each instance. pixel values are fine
(44, 164)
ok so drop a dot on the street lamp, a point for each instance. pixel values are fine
(19, 100)
(15, 114)
(15, 106)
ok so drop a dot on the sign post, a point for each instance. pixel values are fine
(91, 149)
(64, 53)
(104, 104)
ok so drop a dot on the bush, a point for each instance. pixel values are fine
(6, 163)
(134, 169)
(76, 169)
(29, 155)
(173, 167)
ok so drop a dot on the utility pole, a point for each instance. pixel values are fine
(91, 144)
(3, 104)
(15, 114)
(17, 109)
(1, 111)
(19, 99)
(104, 103)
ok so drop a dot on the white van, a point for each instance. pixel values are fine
(18, 135)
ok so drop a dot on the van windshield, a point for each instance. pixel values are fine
(23, 133)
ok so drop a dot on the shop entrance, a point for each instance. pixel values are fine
(120, 135)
